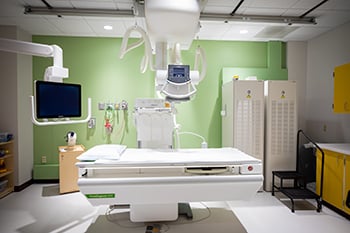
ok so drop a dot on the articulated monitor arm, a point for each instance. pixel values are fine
(55, 73)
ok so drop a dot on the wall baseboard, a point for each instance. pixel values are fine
(46, 181)
(23, 186)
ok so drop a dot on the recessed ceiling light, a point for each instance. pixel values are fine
(108, 27)
(243, 31)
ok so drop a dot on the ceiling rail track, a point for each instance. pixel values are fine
(236, 8)
(313, 8)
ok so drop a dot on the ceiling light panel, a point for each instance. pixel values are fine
(213, 30)
(97, 25)
(234, 31)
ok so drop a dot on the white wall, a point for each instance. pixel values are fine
(25, 125)
(296, 64)
(323, 54)
(15, 87)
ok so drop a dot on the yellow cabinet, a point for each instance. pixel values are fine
(6, 168)
(336, 179)
(68, 172)
(332, 178)
(347, 186)
(341, 99)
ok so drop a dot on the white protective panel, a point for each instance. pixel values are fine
(243, 123)
(281, 128)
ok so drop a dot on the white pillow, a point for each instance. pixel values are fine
(105, 151)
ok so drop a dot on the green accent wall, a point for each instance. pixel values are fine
(95, 64)
(275, 68)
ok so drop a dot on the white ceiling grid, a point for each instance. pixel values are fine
(329, 15)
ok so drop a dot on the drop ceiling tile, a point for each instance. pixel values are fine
(234, 32)
(33, 3)
(305, 4)
(212, 29)
(227, 3)
(217, 9)
(275, 32)
(294, 12)
(124, 5)
(220, 7)
(272, 3)
(110, 5)
(264, 11)
(330, 14)
(54, 3)
(97, 26)
(71, 25)
(36, 25)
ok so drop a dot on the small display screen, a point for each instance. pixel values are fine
(57, 100)
(179, 73)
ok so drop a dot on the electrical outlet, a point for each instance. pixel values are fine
(43, 159)
(324, 128)
(92, 123)
(101, 106)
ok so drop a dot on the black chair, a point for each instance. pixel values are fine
(305, 173)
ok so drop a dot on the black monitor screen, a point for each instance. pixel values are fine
(57, 100)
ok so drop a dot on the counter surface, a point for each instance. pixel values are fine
(343, 148)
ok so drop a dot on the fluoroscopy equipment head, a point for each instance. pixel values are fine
(171, 27)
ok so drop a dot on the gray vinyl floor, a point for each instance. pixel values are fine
(40, 209)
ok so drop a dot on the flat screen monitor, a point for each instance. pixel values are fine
(57, 100)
